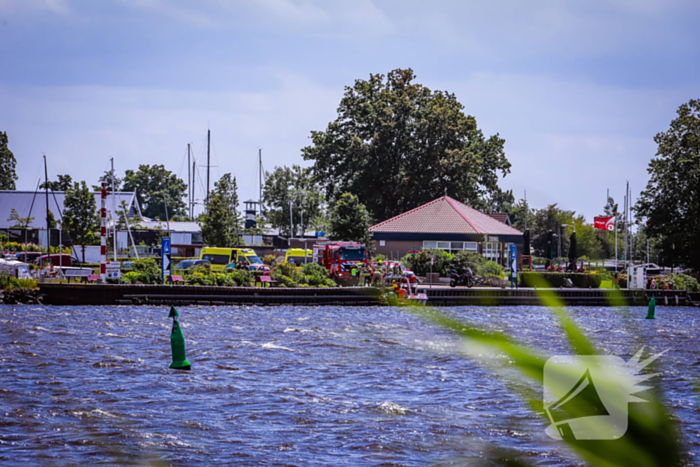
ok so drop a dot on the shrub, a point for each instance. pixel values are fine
(149, 272)
(10, 283)
(269, 259)
(315, 275)
(240, 276)
(491, 268)
(556, 279)
(680, 281)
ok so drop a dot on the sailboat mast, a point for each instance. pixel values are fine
(48, 232)
(208, 162)
(189, 180)
(114, 214)
(260, 174)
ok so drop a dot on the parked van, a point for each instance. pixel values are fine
(220, 257)
(15, 268)
(296, 255)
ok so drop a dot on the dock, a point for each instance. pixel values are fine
(129, 294)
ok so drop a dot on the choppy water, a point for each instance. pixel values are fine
(296, 385)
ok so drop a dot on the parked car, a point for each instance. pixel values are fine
(265, 268)
(27, 257)
(56, 260)
(190, 263)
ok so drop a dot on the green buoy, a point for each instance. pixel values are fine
(177, 343)
(652, 308)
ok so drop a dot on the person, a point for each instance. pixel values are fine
(377, 277)
(241, 264)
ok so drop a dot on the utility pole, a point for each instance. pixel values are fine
(208, 162)
(189, 180)
(291, 224)
(261, 177)
(48, 231)
(114, 214)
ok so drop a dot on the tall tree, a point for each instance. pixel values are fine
(295, 184)
(350, 221)
(8, 175)
(671, 200)
(64, 183)
(396, 145)
(221, 224)
(80, 217)
(550, 218)
(154, 183)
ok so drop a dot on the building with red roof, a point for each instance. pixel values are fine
(449, 225)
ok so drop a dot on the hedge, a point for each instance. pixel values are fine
(556, 279)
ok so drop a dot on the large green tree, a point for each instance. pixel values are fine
(152, 185)
(671, 200)
(221, 223)
(8, 175)
(80, 216)
(396, 145)
(295, 184)
(64, 183)
(350, 221)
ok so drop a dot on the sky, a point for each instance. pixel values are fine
(577, 89)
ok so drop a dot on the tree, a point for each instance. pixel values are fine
(671, 200)
(107, 177)
(295, 184)
(8, 175)
(64, 183)
(221, 223)
(397, 145)
(550, 218)
(80, 217)
(152, 184)
(21, 223)
(350, 221)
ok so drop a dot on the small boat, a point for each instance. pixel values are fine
(401, 296)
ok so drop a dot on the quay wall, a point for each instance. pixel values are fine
(127, 294)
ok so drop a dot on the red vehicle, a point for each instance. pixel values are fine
(340, 258)
(56, 260)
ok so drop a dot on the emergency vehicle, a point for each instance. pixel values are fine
(340, 258)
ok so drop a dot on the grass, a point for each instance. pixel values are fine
(651, 438)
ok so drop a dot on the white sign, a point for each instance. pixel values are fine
(491, 239)
(113, 269)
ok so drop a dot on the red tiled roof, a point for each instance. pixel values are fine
(445, 215)
(499, 216)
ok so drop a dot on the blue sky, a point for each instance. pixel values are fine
(577, 89)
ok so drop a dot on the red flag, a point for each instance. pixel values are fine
(604, 223)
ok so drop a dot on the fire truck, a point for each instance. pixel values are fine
(340, 258)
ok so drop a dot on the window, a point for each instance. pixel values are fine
(451, 247)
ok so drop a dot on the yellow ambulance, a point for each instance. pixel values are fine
(219, 257)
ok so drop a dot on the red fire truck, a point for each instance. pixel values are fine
(340, 258)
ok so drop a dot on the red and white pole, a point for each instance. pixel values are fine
(103, 234)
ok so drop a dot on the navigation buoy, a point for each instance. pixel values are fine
(652, 308)
(177, 343)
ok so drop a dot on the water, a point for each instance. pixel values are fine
(296, 385)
